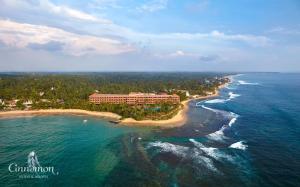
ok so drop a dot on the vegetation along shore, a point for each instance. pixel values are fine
(31, 94)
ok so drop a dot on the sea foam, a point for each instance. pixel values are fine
(178, 150)
(219, 134)
(193, 154)
(204, 161)
(212, 152)
(239, 145)
(231, 96)
(225, 113)
(247, 83)
(233, 119)
(216, 101)
(211, 109)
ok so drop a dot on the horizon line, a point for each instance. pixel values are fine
(1, 72)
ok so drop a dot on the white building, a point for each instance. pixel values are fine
(2, 102)
(28, 102)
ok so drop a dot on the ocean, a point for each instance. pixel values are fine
(248, 136)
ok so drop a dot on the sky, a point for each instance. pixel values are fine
(153, 35)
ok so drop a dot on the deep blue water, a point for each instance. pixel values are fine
(249, 136)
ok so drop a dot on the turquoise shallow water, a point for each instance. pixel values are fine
(76, 149)
(249, 136)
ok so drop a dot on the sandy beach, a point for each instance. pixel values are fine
(178, 120)
(108, 115)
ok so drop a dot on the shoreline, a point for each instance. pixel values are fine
(14, 113)
(178, 120)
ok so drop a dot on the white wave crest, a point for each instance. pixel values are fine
(197, 144)
(211, 151)
(185, 152)
(216, 101)
(233, 95)
(211, 109)
(207, 162)
(170, 148)
(225, 113)
(239, 145)
(247, 83)
(234, 117)
(232, 121)
(218, 135)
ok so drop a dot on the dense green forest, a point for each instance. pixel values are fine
(71, 90)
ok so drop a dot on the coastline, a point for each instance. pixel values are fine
(14, 113)
(178, 120)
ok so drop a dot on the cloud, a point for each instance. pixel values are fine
(281, 30)
(172, 55)
(152, 6)
(104, 4)
(22, 35)
(209, 58)
(47, 6)
(179, 54)
(50, 46)
(250, 39)
(118, 32)
(215, 36)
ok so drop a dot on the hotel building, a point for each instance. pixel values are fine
(134, 98)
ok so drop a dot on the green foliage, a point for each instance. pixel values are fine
(20, 105)
(72, 90)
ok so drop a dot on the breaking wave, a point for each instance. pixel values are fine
(197, 144)
(231, 96)
(247, 83)
(177, 150)
(212, 152)
(225, 113)
(216, 101)
(199, 154)
(219, 134)
(239, 145)
(211, 109)
(231, 115)
(233, 120)
(195, 155)
(205, 161)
